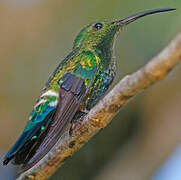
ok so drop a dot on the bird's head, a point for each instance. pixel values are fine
(102, 33)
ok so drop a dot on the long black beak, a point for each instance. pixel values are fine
(141, 14)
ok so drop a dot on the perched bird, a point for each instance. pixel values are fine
(77, 84)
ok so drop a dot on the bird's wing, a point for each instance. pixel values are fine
(72, 91)
(49, 120)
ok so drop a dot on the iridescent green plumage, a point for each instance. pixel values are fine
(77, 84)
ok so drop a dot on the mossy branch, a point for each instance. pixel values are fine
(155, 70)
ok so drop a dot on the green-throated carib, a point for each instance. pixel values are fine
(77, 84)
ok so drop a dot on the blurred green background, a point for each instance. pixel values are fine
(35, 35)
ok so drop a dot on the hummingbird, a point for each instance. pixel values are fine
(74, 88)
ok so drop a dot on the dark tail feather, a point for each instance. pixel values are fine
(6, 161)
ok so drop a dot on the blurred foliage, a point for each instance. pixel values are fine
(37, 35)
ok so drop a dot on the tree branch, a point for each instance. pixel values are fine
(103, 112)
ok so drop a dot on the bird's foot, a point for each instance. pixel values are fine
(77, 120)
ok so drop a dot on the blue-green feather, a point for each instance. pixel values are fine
(37, 119)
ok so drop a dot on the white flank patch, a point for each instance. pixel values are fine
(54, 103)
(40, 102)
(50, 93)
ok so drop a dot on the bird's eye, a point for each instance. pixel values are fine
(98, 26)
